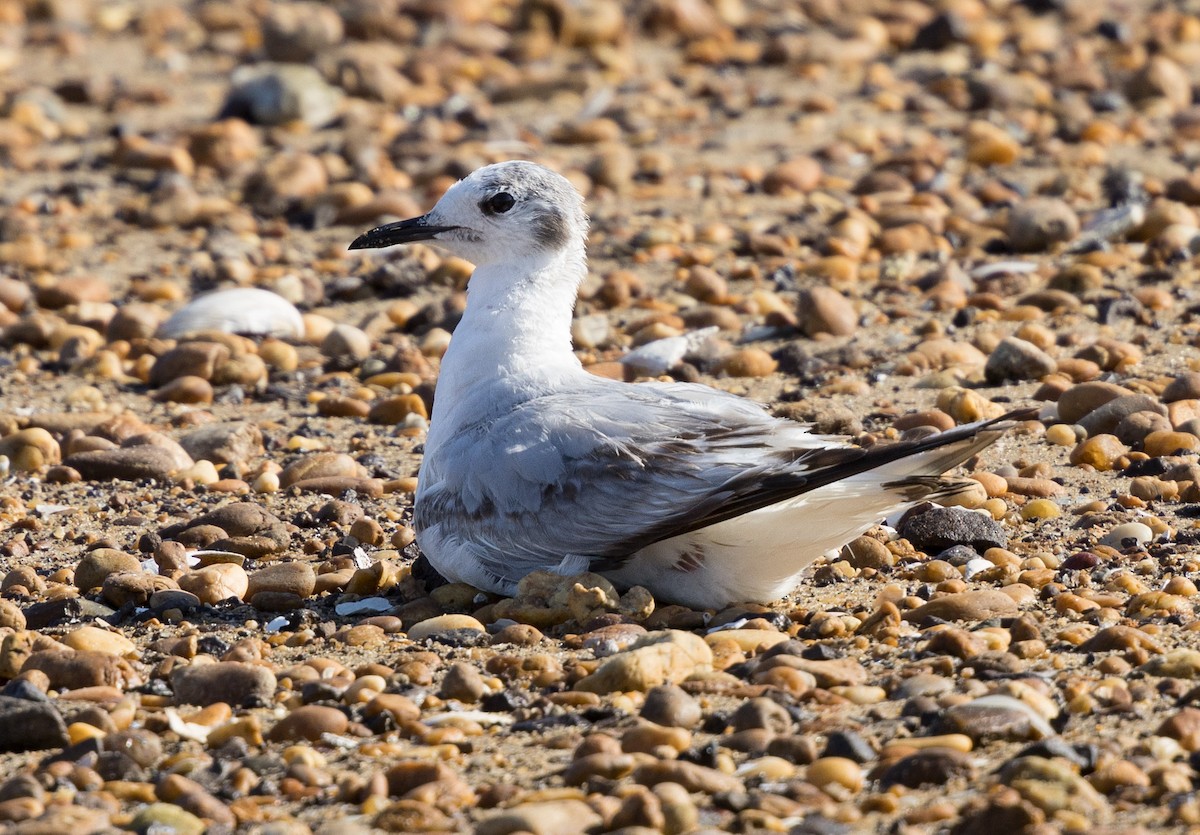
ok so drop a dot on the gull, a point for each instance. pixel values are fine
(533, 463)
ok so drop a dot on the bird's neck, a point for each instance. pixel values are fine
(515, 334)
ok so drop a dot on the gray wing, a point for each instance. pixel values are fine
(596, 476)
(580, 474)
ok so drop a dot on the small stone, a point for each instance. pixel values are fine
(125, 463)
(296, 578)
(1100, 452)
(930, 766)
(186, 389)
(761, 713)
(868, 552)
(1128, 535)
(191, 359)
(835, 771)
(320, 465)
(658, 658)
(748, 362)
(346, 342)
(29, 450)
(1039, 509)
(1016, 359)
(266, 94)
(1176, 663)
(73, 670)
(1120, 638)
(94, 639)
(1163, 442)
(1135, 428)
(396, 409)
(991, 718)
(825, 310)
(445, 623)
(1053, 786)
(694, 778)
(224, 443)
(235, 683)
(938, 528)
(298, 32)
(157, 817)
(1107, 417)
(1084, 398)
(309, 722)
(1039, 223)
(670, 705)
(214, 583)
(30, 725)
(11, 616)
(968, 605)
(99, 564)
(462, 682)
(648, 738)
(1161, 78)
(553, 817)
(799, 175)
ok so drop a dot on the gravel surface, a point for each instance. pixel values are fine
(881, 218)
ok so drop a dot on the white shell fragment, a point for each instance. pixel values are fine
(366, 606)
(661, 355)
(245, 310)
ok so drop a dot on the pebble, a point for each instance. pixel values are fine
(296, 578)
(159, 816)
(823, 310)
(1105, 418)
(444, 623)
(1016, 359)
(134, 463)
(672, 706)
(1100, 452)
(835, 771)
(99, 564)
(30, 725)
(30, 449)
(319, 465)
(1039, 223)
(940, 528)
(232, 682)
(665, 657)
(968, 605)
(1081, 400)
(931, 766)
(1128, 535)
(267, 94)
(74, 670)
(462, 683)
(693, 777)
(232, 442)
(553, 817)
(993, 717)
(346, 342)
(1052, 786)
(214, 583)
(309, 722)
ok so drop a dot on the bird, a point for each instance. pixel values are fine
(531, 462)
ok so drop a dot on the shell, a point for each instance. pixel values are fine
(245, 310)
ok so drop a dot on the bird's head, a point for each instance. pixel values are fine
(503, 212)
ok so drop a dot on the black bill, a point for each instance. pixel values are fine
(400, 232)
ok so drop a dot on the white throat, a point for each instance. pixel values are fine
(514, 339)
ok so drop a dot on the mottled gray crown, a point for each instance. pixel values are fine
(552, 206)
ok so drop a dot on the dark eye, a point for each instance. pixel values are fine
(498, 203)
